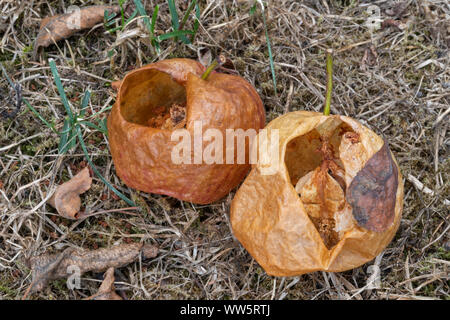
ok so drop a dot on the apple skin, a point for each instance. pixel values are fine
(142, 154)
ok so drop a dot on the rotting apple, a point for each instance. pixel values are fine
(333, 202)
(159, 98)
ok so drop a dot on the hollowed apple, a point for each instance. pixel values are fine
(334, 202)
(157, 99)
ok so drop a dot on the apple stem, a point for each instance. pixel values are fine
(220, 60)
(326, 110)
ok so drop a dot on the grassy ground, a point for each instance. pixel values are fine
(400, 92)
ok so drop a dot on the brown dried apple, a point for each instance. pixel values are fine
(333, 203)
(159, 98)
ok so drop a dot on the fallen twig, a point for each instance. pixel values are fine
(419, 185)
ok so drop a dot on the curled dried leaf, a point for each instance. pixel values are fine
(62, 26)
(372, 193)
(396, 24)
(48, 267)
(204, 56)
(399, 9)
(369, 58)
(66, 199)
(107, 289)
(116, 84)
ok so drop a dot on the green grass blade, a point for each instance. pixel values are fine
(64, 137)
(174, 34)
(150, 25)
(72, 142)
(104, 126)
(154, 16)
(253, 8)
(60, 88)
(110, 23)
(196, 22)
(122, 12)
(173, 14)
(114, 29)
(66, 146)
(187, 13)
(85, 102)
(155, 43)
(68, 137)
(269, 48)
(174, 18)
(29, 106)
(93, 126)
(37, 114)
(6, 76)
(133, 15)
(140, 8)
(99, 112)
(108, 17)
(154, 40)
(108, 184)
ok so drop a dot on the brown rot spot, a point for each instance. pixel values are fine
(372, 193)
(174, 118)
(353, 137)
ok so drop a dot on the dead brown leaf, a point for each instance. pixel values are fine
(372, 193)
(107, 289)
(116, 85)
(227, 66)
(370, 57)
(66, 199)
(204, 56)
(62, 26)
(395, 24)
(398, 11)
(48, 267)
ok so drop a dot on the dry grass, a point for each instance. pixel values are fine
(402, 95)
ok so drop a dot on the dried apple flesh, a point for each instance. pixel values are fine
(318, 175)
(147, 101)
